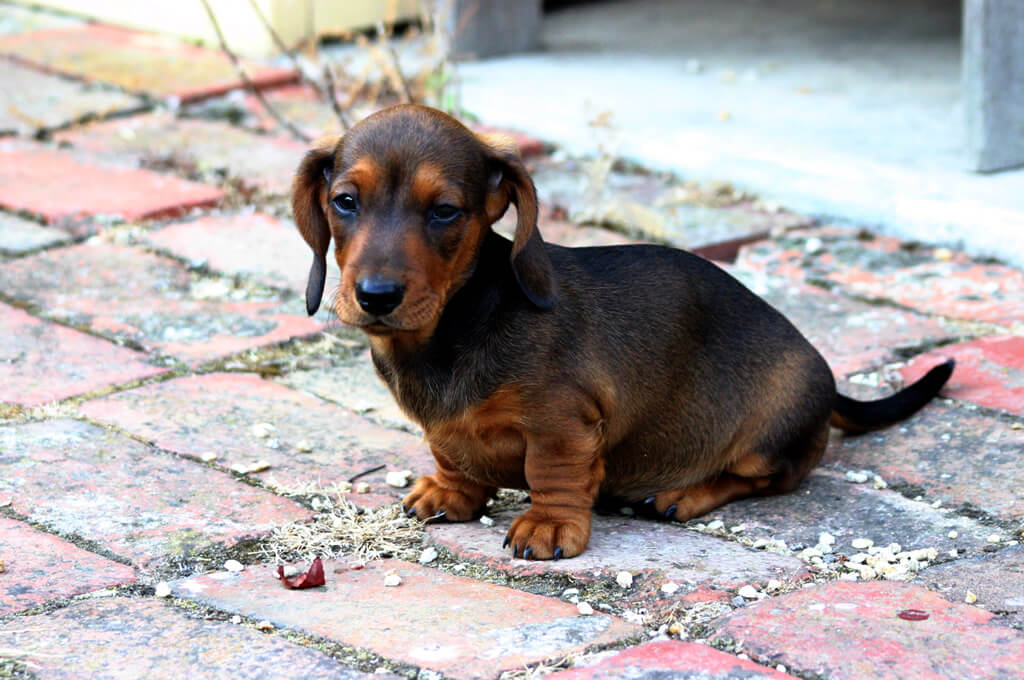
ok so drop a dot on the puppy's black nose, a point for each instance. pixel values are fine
(379, 296)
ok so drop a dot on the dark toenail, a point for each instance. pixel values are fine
(671, 511)
(411, 511)
(648, 500)
(436, 517)
(527, 553)
(505, 543)
(558, 553)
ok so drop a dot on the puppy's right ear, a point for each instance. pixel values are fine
(309, 205)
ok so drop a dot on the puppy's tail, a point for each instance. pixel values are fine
(863, 416)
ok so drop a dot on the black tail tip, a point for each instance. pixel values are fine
(938, 375)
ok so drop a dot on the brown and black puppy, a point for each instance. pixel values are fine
(639, 374)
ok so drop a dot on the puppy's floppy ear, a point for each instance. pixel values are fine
(509, 181)
(309, 201)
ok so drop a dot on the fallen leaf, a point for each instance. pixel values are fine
(312, 578)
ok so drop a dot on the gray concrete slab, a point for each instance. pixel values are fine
(840, 110)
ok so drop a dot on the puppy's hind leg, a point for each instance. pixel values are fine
(446, 494)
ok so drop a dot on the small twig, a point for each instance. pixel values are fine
(284, 49)
(366, 472)
(296, 132)
(396, 66)
(332, 95)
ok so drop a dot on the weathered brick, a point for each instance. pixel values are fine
(657, 551)
(79, 479)
(120, 638)
(825, 502)
(989, 371)
(949, 454)
(926, 279)
(19, 236)
(32, 175)
(151, 301)
(461, 627)
(31, 101)
(215, 413)
(41, 361)
(997, 580)
(213, 150)
(137, 61)
(257, 245)
(40, 567)
(671, 659)
(853, 630)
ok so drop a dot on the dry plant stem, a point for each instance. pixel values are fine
(297, 133)
(332, 95)
(396, 66)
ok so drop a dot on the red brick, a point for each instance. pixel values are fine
(42, 362)
(997, 580)
(853, 630)
(461, 627)
(269, 250)
(60, 186)
(77, 478)
(929, 280)
(150, 300)
(142, 638)
(215, 413)
(138, 62)
(40, 567)
(952, 454)
(215, 150)
(658, 551)
(989, 371)
(671, 659)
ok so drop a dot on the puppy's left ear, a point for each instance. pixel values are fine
(508, 181)
(309, 201)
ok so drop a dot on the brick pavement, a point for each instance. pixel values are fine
(166, 406)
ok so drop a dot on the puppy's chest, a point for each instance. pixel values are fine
(486, 442)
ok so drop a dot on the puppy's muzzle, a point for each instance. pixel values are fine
(379, 296)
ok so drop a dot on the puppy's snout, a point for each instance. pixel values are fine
(379, 296)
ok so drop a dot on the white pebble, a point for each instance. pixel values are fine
(264, 625)
(362, 487)
(880, 483)
(738, 529)
(624, 579)
(716, 525)
(970, 598)
(233, 566)
(825, 538)
(857, 477)
(236, 619)
(428, 555)
(862, 543)
(290, 571)
(392, 579)
(584, 609)
(162, 589)
(813, 245)
(748, 592)
(669, 588)
(486, 521)
(208, 456)
(994, 538)
(570, 592)
(262, 430)
(304, 446)
(781, 668)
(398, 478)
(773, 585)
(953, 534)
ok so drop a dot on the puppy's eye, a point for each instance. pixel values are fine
(443, 214)
(346, 204)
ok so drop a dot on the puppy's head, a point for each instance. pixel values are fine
(408, 195)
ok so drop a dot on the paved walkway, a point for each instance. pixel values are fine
(171, 423)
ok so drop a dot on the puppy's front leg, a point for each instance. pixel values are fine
(447, 493)
(565, 472)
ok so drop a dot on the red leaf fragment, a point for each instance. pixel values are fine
(311, 579)
(913, 615)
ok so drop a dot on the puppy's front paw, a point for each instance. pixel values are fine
(430, 498)
(542, 534)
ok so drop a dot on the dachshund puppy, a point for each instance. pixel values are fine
(634, 374)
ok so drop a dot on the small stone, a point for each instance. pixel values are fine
(304, 446)
(398, 479)
(162, 589)
(233, 566)
(825, 538)
(716, 525)
(781, 668)
(738, 602)
(624, 579)
(208, 456)
(749, 592)
(675, 629)
(994, 538)
(942, 254)
(265, 626)
(1017, 426)
(289, 571)
(759, 543)
(569, 592)
(669, 588)
(880, 483)
(584, 609)
(773, 585)
(813, 245)
(236, 619)
(738, 529)
(862, 543)
(857, 477)
(262, 430)
(362, 487)
(486, 521)
(953, 534)
(392, 579)
(428, 555)
(970, 598)
(937, 504)
(259, 466)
